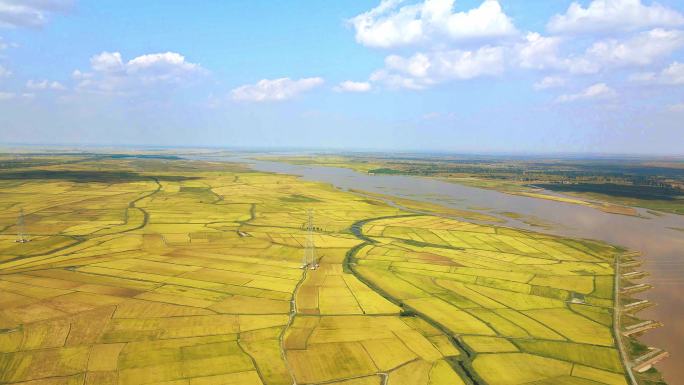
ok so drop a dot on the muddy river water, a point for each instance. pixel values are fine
(655, 237)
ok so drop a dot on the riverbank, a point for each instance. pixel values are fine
(579, 182)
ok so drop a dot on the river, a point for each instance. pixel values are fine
(654, 236)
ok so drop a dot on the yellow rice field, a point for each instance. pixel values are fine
(147, 271)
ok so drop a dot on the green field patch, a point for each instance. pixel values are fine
(573, 326)
(502, 326)
(550, 292)
(518, 368)
(597, 375)
(533, 327)
(450, 316)
(518, 301)
(483, 344)
(604, 287)
(599, 314)
(599, 357)
(579, 284)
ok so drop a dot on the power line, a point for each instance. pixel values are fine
(21, 237)
(309, 248)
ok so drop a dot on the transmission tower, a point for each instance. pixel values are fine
(21, 237)
(310, 247)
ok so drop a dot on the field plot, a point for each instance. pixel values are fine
(329, 348)
(186, 274)
(530, 308)
(148, 271)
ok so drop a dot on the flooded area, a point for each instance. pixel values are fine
(656, 237)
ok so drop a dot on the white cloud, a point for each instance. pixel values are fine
(422, 70)
(487, 21)
(678, 107)
(44, 85)
(543, 53)
(550, 82)
(415, 66)
(30, 13)
(4, 72)
(432, 116)
(672, 75)
(394, 80)
(538, 52)
(377, 28)
(389, 25)
(614, 15)
(596, 91)
(434, 35)
(275, 89)
(351, 86)
(437, 35)
(107, 62)
(4, 96)
(162, 67)
(642, 49)
(111, 74)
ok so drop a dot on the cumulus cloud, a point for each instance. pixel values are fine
(109, 73)
(596, 91)
(445, 45)
(674, 74)
(107, 62)
(351, 86)
(30, 13)
(671, 75)
(389, 25)
(162, 67)
(275, 89)
(550, 82)
(44, 85)
(642, 49)
(538, 52)
(544, 52)
(425, 69)
(614, 15)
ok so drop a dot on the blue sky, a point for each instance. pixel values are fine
(600, 76)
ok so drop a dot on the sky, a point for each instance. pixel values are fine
(506, 76)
